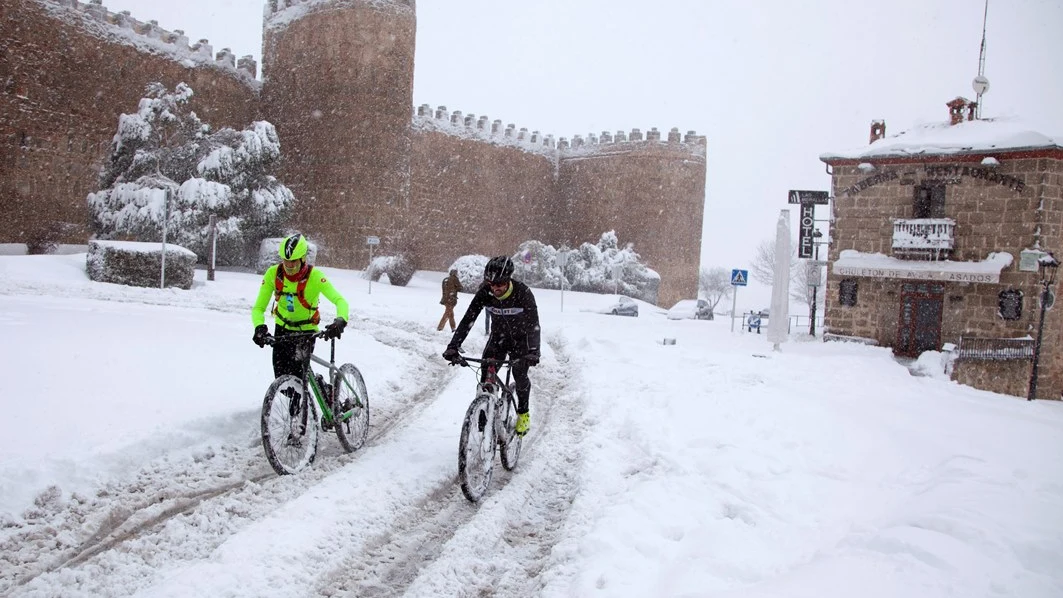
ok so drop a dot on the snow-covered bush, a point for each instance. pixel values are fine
(269, 253)
(470, 271)
(164, 151)
(601, 268)
(139, 264)
(398, 269)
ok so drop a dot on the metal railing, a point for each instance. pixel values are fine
(933, 238)
(994, 349)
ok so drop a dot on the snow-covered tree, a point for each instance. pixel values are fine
(165, 150)
(596, 268)
(714, 284)
(762, 269)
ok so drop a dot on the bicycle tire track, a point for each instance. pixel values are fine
(76, 531)
(400, 562)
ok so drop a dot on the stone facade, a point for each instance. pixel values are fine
(337, 84)
(1002, 200)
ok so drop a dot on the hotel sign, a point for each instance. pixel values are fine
(943, 275)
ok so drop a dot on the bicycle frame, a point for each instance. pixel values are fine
(310, 381)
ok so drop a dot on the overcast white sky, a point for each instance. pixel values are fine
(772, 84)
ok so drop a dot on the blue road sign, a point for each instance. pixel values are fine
(739, 277)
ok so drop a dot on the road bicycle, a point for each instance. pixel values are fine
(489, 421)
(290, 422)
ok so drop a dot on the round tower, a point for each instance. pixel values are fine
(651, 191)
(338, 85)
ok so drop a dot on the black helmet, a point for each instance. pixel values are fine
(498, 269)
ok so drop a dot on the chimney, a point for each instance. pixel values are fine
(878, 130)
(972, 108)
(956, 108)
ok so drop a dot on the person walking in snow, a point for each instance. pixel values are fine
(451, 286)
(296, 287)
(514, 328)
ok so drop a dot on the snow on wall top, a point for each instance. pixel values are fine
(481, 128)
(278, 14)
(967, 137)
(94, 18)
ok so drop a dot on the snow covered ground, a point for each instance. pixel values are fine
(131, 464)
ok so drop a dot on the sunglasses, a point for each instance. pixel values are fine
(498, 285)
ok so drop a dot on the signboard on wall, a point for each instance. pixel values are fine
(806, 239)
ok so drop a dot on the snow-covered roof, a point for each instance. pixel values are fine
(968, 137)
(876, 265)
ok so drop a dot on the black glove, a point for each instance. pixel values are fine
(531, 359)
(261, 334)
(452, 354)
(335, 329)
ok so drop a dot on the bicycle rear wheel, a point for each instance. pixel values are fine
(476, 449)
(509, 441)
(289, 425)
(352, 408)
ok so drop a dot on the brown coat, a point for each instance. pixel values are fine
(451, 286)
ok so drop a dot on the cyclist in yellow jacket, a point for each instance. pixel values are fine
(297, 287)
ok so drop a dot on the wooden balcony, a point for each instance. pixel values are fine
(924, 238)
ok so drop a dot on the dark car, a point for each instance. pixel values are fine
(624, 306)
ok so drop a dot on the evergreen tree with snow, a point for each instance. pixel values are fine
(164, 149)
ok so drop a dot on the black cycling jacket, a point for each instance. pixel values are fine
(514, 320)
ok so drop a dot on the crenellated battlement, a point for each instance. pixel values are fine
(484, 129)
(481, 127)
(151, 34)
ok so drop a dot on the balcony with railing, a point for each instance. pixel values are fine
(923, 238)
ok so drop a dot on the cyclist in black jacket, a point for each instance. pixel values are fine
(514, 328)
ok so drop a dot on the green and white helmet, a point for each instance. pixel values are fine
(293, 247)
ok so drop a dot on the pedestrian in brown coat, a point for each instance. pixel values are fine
(451, 286)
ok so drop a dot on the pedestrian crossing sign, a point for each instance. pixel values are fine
(739, 277)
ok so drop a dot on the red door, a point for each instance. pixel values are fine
(919, 325)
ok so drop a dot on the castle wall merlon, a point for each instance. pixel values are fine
(226, 58)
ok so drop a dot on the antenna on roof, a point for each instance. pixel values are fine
(981, 83)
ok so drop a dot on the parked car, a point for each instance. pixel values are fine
(624, 306)
(691, 309)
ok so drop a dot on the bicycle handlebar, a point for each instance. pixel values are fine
(270, 339)
(464, 360)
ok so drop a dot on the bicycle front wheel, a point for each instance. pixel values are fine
(289, 425)
(509, 441)
(352, 408)
(476, 449)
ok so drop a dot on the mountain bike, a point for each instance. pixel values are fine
(489, 421)
(290, 422)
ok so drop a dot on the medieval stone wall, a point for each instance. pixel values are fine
(69, 70)
(472, 197)
(337, 84)
(993, 212)
(339, 88)
(651, 192)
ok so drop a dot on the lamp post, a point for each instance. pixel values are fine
(816, 235)
(1047, 266)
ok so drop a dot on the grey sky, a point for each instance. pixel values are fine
(772, 84)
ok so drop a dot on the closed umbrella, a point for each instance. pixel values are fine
(778, 329)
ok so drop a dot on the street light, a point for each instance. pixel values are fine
(1047, 266)
(816, 235)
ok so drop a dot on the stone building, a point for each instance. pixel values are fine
(935, 243)
(338, 85)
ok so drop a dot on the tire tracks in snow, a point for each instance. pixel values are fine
(134, 514)
(445, 546)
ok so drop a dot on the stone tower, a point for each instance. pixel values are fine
(338, 85)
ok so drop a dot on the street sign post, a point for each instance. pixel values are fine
(370, 241)
(739, 278)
